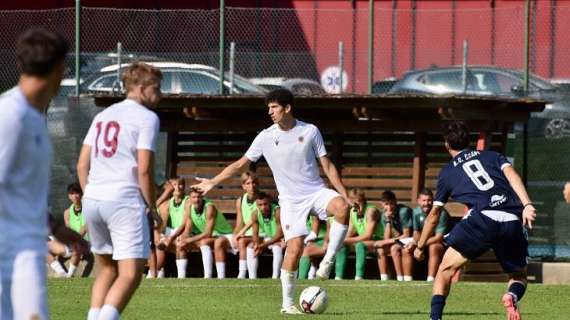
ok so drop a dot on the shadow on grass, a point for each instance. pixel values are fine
(403, 313)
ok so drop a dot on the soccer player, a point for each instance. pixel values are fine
(74, 219)
(397, 221)
(115, 170)
(291, 148)
(246, 208)
(25, 161)
(210, 228)
(266, 234)
(499, 208)
(435, 241)
(363, 230)
(172, 211)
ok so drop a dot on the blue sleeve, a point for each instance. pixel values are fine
(443, 192)
(502, 161)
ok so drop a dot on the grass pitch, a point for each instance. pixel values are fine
(261, 299)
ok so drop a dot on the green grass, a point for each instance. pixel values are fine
(261, 299)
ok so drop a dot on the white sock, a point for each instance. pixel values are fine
(383, 277)
(93, 313)
(277, 260)
(242, 269)
(288, 287)
(160, 273)
(312, 272)
(430, 279)
(71, 270)
(357, 278)
(336, 240)
(407, 278)
(400, 278)
(57, 268)
(108, 312)
(207, 260)
(181, 267)
(221, 269)
(251, 263)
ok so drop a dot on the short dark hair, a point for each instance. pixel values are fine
(282, 96)
(388, 195)
(38, 51)
(74, 187)
(426, 192)
(263, 195)
(456, 134)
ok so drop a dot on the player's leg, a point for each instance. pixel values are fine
(336, 206)
(277, 251)
(152, 258)
(221, 245)
(127, 281)
(181, 261)
(105, 277)
(340, 263)
(207, 256)
(73, 264)
(252, 260)
(242, 247)
(436, 251)
(360, 250)
(28, 292)
(396, 252)
(407, 264)
(452, 261)
(383, 262)
(511, 250)
(293, 254)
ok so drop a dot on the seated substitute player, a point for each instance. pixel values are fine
(435, 241)
(363, 230)
(499, 208)
(116, 172)
(291, 149)
(266, 234)
(172, 211)
(316, 243)
(397, 221)
(208, 225)
(75, 220)
(245, 209)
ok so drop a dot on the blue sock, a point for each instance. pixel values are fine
(518, 289)
(437, 304)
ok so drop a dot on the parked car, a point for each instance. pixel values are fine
(383, 86)
(493, 81)
(298, 86)
(177, 78)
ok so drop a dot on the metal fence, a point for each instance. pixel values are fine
(319, 44)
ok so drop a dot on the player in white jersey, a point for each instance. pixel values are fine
(115, 169)
(291, 149)
(25, 160)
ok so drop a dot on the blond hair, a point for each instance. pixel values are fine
(140, 73)
(357, 192)
(247, 175)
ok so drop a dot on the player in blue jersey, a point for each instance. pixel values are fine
(499, 209)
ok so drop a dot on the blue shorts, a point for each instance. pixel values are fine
(477, 233)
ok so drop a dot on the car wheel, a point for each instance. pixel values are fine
(557, 128)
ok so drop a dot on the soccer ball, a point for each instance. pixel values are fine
(314, 300)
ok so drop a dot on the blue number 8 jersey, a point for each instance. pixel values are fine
(476, 179)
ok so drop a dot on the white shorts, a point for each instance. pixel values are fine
(233, 248)
(116, 228)
(294, 213)
(23, 292)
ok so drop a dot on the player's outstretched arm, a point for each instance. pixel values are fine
(332, 173)
(231, 170)
(83, 165)
(428, 229)
(529, 212)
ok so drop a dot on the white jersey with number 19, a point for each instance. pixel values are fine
(114, 137)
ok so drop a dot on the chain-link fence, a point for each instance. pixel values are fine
(307, 49)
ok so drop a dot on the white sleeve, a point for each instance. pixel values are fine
(91, 134)
(11, 129)
(255, 151)
(319, 144)
(148, 134)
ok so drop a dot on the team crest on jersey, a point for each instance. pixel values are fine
(301, 139)
(497, 200)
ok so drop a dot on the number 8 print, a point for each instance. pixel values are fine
(110, 138)
(478, 175)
